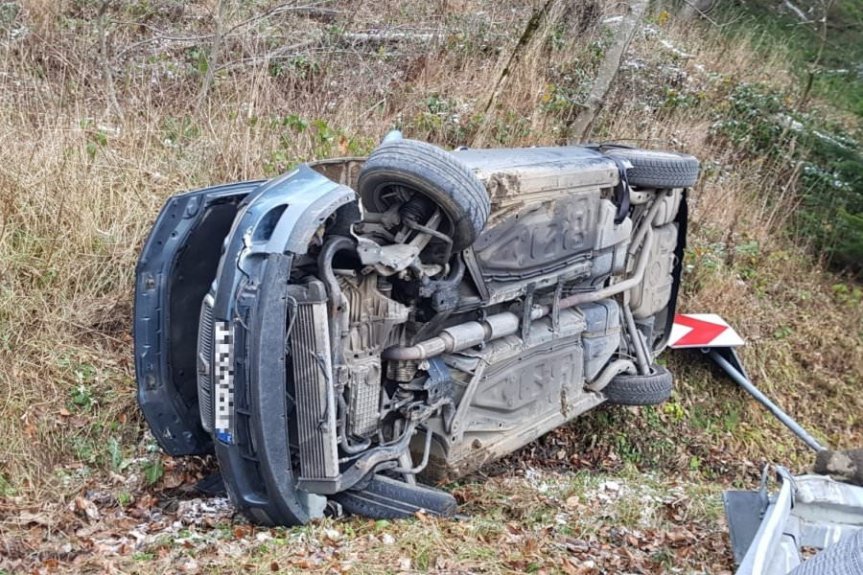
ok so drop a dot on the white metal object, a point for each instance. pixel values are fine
(808, 511)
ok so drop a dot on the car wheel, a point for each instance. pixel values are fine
(399, 169)
(649, 389)
(651, 169)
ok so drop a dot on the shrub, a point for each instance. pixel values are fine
(826, 162)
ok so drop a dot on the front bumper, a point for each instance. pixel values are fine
(251, 409)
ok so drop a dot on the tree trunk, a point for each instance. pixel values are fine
(582, 127)
(533, 25)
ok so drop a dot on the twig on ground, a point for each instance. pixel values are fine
(278, 53)
(281, 9)
(388, 36)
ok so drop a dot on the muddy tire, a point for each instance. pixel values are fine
(408, 166)
(648, 389)
(662, 170)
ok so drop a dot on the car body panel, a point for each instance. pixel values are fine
(809, 511)
(175, 270)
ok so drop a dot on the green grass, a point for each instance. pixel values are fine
(842, 51)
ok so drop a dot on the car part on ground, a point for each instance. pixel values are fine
(814, 524)
(174, 273)
(453, 308)
(776, 535)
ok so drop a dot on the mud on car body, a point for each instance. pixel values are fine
(340, 332)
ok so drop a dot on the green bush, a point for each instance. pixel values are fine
(760, 122)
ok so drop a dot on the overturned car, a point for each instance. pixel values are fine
(342, 331)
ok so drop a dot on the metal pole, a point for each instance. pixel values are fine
(750, 388)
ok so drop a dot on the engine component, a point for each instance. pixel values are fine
(444, 292)
(313, 388)
(387, 260)
(458, 337)
(372, 318)
(364, 393)
(438, 385)
(446, 342)
(609, 372)
(402, 371)
(430, 393)
(393, 258)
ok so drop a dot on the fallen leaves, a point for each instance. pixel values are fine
(86, 508)
(530, 519)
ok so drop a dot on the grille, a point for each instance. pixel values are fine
(313, 388)
(205, 363)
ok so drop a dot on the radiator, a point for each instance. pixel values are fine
(314, 392)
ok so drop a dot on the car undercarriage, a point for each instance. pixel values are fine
(356, 329)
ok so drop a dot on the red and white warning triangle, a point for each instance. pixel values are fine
(702, 330)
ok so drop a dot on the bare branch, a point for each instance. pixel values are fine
(283, 52)
(530, 29)
(826, 5)
(797, 11)
(163, 38)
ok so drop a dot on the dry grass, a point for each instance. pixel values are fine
(82, 178)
